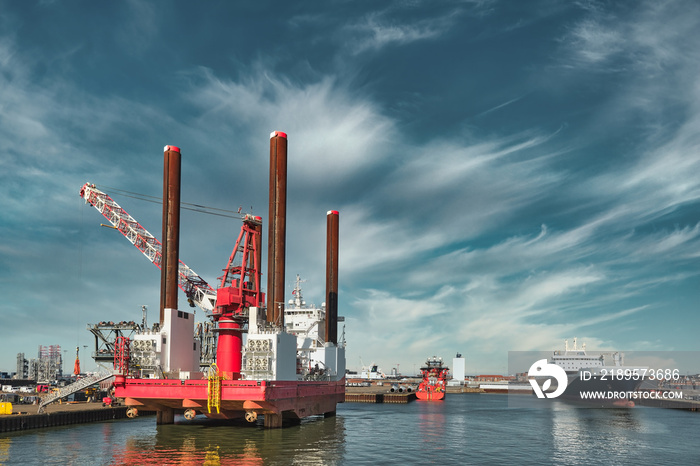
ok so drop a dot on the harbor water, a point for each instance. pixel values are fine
(462, 429)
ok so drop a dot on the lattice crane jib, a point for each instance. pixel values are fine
(197, 290)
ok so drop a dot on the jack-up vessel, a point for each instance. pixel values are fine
(290, 364)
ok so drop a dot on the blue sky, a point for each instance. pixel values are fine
(508, 174)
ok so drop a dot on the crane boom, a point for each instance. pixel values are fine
(198, 291)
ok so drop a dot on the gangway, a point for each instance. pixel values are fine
(76, 386)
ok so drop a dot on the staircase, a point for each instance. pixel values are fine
(72, 388)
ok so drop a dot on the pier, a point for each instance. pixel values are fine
(376, 394)
(25, 417)
(399, 398)
(688, 405)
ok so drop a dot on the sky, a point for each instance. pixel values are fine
(508, 174)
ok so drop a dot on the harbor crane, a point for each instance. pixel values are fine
(197, 290)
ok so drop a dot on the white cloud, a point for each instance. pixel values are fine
(650, 38)
(679, 242)
(537, 290)
(667, 172)
(595, 43)
(332, 133)
(379, 30)
(596, 321)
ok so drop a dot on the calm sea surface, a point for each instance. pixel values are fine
(464, 429)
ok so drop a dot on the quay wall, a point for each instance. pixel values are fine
(379, 397)
(17, 422)
(688, 405)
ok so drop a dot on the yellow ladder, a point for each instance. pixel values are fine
(214, 388)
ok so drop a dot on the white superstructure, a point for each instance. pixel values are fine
(270, 354)
(575, 359)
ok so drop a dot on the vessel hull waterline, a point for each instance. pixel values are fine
(430, 396)
(289, 398)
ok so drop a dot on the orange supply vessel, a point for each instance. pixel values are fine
(432, 387)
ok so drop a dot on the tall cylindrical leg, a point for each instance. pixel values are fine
(170, 251)
(277, 228)
(332, 276)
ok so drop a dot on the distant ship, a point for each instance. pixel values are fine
(590, 372)
(373, 372)
(432, 387)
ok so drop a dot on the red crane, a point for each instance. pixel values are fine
(238, 291)
(76, 366)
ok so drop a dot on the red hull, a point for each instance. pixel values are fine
(436, 395)
(239, 398)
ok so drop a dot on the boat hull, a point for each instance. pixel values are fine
(430, 395)
(577, 387)
(238, 398)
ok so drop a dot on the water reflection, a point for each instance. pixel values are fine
(467, 429)
(431, 422)
(5, 449)
(609, 435)
(315, 441)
